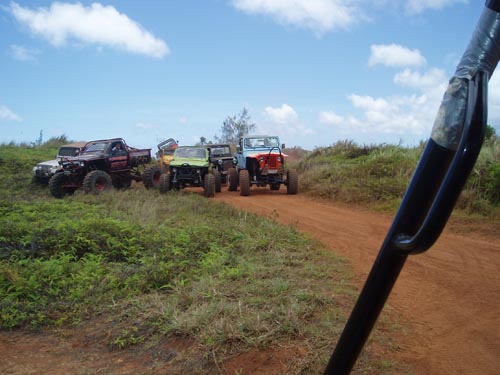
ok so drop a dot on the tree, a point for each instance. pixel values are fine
(234, 127)
(490, 132)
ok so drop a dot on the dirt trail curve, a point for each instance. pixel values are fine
(448, 298)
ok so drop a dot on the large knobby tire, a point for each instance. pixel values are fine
(218, 181)
(209, 185)
(165, 183)
(232, 179)
(292, 186)
(96, 182)
(244, 183)
(151, 177)
(56, 183)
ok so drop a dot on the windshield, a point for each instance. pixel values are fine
(68, 151)
(197, 153)
(261, 142)
(220, 151)
(95, 147)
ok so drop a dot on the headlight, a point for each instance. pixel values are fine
(219, 161)
(279, 159)
(54, 170)
(174, 170)
(198, 171)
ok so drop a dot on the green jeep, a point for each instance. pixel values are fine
(190, 167)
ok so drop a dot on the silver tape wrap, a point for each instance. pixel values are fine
(482, 53)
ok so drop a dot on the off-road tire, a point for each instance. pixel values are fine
(96, 182)
(275, 186)
(209, 185)
(165, 184)
(151, 177)
(218, 181)
(244, 183)
(56, 186)
(232, 178)
(292, 178)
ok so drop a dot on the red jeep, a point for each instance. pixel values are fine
(103, 164)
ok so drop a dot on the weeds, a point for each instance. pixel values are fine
(378, 175)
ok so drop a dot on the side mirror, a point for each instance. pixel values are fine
(282, 146)
(238, 148)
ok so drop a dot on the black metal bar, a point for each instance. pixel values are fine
(441, 173)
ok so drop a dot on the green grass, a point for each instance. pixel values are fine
(148, 268)
(377, 176)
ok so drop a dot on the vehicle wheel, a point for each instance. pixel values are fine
(165, 184)
(292, 179)
(218, 181)
(209, 185)
(163, 168)
(232, 177)
(96, 182)
(56, 183)
(275, 186)
(244, 183)
(151, 177)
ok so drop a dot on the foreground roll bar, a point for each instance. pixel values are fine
(441, 173)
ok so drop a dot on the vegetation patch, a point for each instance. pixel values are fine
(378, 175)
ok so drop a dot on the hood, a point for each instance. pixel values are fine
(83, 157)
(50, 163)
(193, 162)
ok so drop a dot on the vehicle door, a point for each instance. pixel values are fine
(118, 156)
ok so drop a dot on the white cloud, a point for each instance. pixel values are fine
(331, 118)
(433, 78)
(281, 115)
(7, 114)
(407, 117)
(23, 53)
(494, 101)
(399, 115)
(394, 55)
(284, 123)
(418, 6)
(97, 24)
(319, 16)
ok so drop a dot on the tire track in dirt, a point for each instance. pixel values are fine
(447, 299)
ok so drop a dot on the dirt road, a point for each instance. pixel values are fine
(448, 298)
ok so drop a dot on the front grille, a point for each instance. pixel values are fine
(185, 172)
(273, 161)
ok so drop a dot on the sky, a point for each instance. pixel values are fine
(313, 72)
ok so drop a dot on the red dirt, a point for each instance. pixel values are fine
(446, 300)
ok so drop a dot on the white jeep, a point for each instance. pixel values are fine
(43, 171)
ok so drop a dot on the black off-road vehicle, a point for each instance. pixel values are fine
(222, 160)
(104, 164)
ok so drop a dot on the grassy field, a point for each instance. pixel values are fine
(377, 176)
(153, 267)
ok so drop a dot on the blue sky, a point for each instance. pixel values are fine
(311, 71)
